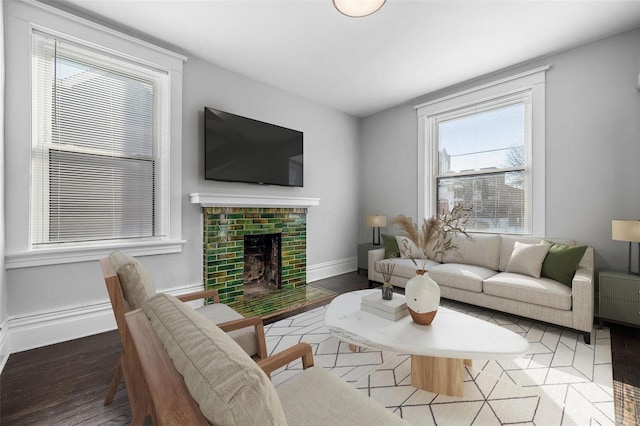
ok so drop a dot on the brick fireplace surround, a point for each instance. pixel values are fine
(224, 231)
(226, 221)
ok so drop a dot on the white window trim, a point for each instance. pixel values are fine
(24, 18)
(533, 80)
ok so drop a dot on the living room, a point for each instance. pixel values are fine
(356, 164)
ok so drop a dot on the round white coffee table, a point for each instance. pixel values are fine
(438, 351)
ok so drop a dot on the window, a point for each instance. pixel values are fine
(483, 163)
(100, 141)
(484, 149)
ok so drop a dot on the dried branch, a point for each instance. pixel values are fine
(422, 238)
(436, 233)
(409, 229)
(451, 223)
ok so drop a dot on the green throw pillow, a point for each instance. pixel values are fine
(562, 262)
(390, 246)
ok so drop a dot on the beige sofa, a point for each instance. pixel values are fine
(477, 273)
(196, 374)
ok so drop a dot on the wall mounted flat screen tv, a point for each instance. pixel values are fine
(240, 149)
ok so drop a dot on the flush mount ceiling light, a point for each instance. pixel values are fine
(358, 8)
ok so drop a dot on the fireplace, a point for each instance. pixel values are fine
(225, 239)
(262, 264)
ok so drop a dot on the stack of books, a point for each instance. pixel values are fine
(392, 310)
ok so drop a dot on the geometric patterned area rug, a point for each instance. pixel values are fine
(561, 381)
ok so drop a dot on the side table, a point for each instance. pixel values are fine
(619, 297)
(363, 255)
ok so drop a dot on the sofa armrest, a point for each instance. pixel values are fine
(255, 322)
(301, 350)
(582, 293)
(372, 257)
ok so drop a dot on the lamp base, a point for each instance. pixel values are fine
(629, 271)
(374, 236)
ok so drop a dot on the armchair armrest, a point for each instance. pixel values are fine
(301, 350)
(255, 322)
(204, 294)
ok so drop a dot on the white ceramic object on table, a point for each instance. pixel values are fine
(423, 298)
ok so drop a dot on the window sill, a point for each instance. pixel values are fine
(42, 257)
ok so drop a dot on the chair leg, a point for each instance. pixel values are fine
(115, 381)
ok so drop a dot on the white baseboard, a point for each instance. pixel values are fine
(331, 269)
(46, 328)
(35, 330)
(42, 329)
(4, 344)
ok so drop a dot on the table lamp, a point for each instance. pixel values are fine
(376, 222)
(627, 230)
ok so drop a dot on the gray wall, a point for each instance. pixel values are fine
(3, 279)
(46, 294)
(331, 168)
(592, 146)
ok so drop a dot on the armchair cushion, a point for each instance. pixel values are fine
(330, 400)
(227, 384)
(219, 313)
(135, 281)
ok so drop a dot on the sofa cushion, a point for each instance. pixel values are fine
(527, 259)
(228, 386)
(477, 249)
(562, 262)
(391, 249)
(508, 241)
(406, 268)
(538, 291)
(458, 275)
(219, 313)
(135, 281)
(408, 249)
(316, 397)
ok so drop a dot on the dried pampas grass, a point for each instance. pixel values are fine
(423, 237)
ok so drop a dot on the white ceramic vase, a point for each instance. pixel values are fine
(423, 298)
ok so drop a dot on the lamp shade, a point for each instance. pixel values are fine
(625, 230)
(376, 221)
(358, 8)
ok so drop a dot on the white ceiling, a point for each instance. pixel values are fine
(365, 65)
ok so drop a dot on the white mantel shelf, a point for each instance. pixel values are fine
(226, 200)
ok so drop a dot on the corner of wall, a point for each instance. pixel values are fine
(4, 349)
(4, 343)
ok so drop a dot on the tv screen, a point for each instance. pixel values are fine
(240, 149)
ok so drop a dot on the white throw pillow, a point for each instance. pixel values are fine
(527, 259)
(408, 249)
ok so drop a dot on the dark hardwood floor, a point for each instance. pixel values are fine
(625, 356)
(65, 384)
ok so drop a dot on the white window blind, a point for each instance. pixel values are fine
(483, 162)
(100, 143)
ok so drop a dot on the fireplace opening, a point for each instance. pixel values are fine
(262, 264)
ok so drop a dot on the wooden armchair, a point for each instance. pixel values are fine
(214, 380)
(165, 394)
(133, 380)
